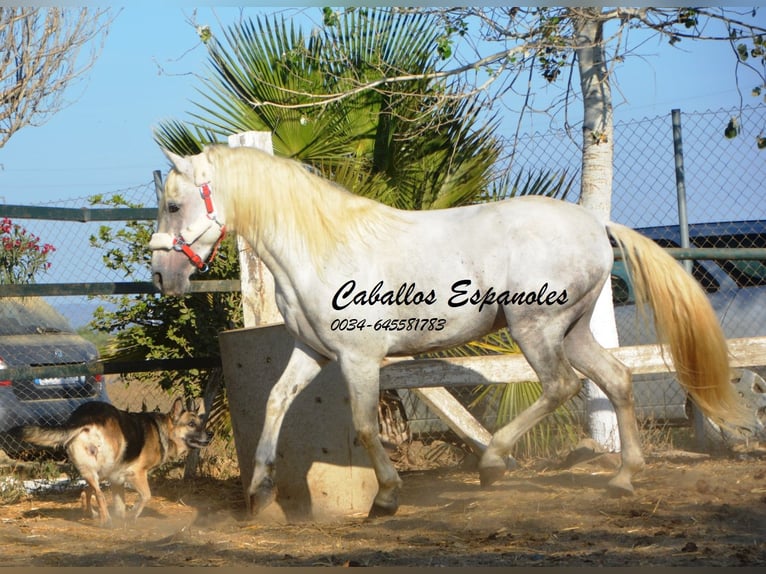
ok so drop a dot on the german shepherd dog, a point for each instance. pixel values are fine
(105, 443)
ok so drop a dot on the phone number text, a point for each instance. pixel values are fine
(412, 324)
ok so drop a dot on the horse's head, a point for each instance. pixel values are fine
(189, 228)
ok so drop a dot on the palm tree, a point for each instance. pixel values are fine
(412, 147)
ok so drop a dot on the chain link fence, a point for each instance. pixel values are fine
(724, 181)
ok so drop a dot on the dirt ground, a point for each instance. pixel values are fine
(687, 511)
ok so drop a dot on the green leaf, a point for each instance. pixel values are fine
(742, 52)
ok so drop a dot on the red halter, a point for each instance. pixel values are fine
(180, 244)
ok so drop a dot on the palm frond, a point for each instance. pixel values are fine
(181, 138)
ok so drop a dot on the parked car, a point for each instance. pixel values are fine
(737, 291)
(32, 334)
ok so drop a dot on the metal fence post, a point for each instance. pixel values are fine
(158, 185)
(678, 153)
(683, 226)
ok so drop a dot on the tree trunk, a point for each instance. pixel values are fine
(596, 195)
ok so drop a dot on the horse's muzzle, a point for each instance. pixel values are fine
(172, 288)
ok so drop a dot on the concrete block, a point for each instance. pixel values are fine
(322, 473)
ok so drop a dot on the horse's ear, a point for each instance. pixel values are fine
(183, 165)
(202, 165)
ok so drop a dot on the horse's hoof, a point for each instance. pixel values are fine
(259, 501)
(619, 488)
(379, 511)
(490, 474)
(264, 495)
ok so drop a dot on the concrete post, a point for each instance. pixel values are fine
(321, 472)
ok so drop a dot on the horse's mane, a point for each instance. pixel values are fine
(278, 201)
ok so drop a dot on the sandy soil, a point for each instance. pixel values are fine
(687, 511)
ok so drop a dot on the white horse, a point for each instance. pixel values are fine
(357, 281)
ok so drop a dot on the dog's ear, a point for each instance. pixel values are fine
(177, 409)
(199, 407)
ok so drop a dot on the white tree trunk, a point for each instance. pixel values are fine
(596, 195)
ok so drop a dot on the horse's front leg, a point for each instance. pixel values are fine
(304, 365)
(363, 379)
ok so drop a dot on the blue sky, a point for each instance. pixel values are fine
(103, 141)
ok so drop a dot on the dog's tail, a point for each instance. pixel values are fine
(50, 437)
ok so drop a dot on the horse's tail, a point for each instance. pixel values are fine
(685, 320)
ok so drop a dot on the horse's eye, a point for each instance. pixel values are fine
(173, 207)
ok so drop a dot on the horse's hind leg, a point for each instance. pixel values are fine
(303, 366)
(363, 380)
(559, 383)
(600, 366)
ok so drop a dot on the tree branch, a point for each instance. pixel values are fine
(41, 58)
(324, 99)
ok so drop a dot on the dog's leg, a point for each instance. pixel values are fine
(118, 490)
(140, 482)
(104, 516)
(85, 501)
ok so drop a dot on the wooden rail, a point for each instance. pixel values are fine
(514, 368)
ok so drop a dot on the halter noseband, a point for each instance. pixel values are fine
(178, 243)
